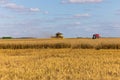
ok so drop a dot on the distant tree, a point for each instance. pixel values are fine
(6, 37)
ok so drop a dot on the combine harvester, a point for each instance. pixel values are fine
(96, 36)
(58, 35)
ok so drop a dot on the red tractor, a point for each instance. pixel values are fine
(95, 36)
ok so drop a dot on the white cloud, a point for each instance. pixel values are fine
(81, 1)
(82, 15)
(15, 7)
(34, 9)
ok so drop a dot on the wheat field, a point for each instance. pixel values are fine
(83, 43)
(59, 64)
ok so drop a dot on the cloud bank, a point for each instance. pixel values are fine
(13, 6)
(81, 1)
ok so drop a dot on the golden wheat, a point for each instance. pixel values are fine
(59, 64)
(25, 59)
(103, 43)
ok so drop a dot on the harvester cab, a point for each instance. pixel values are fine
(96, 36)
(58, 35)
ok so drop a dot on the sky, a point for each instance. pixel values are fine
(73, 18)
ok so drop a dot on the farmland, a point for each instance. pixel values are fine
(62, 62)
(103, 43)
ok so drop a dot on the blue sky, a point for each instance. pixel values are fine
(74, 18)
